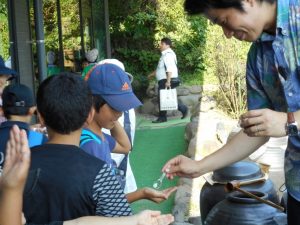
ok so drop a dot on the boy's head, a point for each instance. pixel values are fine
(113, 85)
(17, 100)
(51, 57)
(92, 55)
(112, 93)
(64, 102)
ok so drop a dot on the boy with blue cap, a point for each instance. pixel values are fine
(112, 95)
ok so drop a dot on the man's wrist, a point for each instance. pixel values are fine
(200, 165)
(291, 126)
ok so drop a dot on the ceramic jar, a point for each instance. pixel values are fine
(212, 194)
(239, 209)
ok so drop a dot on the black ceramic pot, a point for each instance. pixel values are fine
(212, 194)
(238, 209)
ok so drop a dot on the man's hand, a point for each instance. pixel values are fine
(168, 84)
(181, 166)
(156, 195)
(39, 128)
(17, 160)
(148, 217)
(264, 122)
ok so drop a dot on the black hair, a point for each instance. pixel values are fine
(98, 102)
(166, 41)
(193, 7)
(64, 101)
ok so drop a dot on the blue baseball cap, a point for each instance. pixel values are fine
(5, 70)
(113, 84)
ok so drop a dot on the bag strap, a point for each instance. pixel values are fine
(127, 128)
(165, 63)
(175, 60)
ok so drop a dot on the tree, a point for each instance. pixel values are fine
(4, 35)
(136, 28)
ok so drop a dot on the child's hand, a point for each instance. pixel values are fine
(17, 160)
(148, 217)
(39, 128)
(156, 195)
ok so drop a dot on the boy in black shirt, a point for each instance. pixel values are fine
(67, 182)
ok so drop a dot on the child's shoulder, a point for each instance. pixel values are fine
(36, 138)
(89, 136)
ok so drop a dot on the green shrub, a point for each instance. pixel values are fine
(4, 36)
(204, 55)
(226, 60)
(137, 27)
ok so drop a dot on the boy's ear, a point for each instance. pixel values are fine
(32, 110)
(90, 117)
(1, 111)
(40, 119)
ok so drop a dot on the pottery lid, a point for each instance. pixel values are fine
(242, 170)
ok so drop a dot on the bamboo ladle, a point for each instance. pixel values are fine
(235, 186)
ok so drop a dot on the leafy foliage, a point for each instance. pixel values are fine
(226, 60)
(137, 27)
(4, 36)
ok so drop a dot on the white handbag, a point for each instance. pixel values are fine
(168, 99)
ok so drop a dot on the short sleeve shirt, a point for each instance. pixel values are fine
(167, 63)
(273, 81)
(100, 148)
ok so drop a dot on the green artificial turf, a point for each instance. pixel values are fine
(154, 145)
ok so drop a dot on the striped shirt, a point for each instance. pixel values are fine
(273, 80)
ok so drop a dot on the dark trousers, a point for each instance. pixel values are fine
(293, 211)
(161, 85)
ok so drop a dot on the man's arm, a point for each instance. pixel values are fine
(145, 217)
(238, 148)
(123, 144)
(168, 82)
